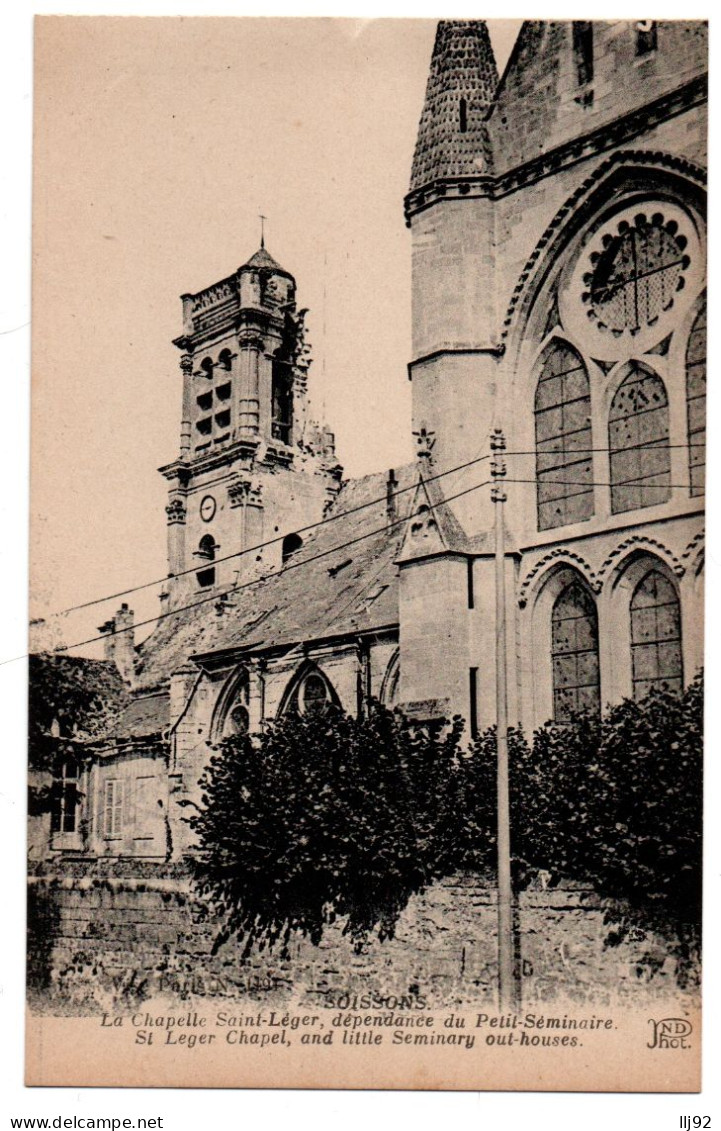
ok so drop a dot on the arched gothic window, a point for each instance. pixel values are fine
(237, 719)
(574, 653)
(232, 715)
(640, 457)
(312, 694)
(391, 681)
(696, 402)
(655, 635)
(563, 440)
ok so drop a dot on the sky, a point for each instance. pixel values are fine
(158, 142)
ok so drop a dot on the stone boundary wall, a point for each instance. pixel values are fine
(101, 940)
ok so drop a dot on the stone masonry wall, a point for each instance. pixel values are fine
(101, 941)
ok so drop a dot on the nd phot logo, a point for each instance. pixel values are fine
(670, 1033)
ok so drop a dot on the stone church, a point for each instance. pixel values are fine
(557, 220)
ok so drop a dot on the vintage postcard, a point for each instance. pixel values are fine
(368, 471)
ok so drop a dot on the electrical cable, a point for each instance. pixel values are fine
(247, 585)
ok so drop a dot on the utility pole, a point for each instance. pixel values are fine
(506, 989)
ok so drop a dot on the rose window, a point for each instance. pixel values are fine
(636, 274)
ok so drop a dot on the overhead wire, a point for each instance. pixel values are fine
(333, 518)
(231, 591)
(269, 542)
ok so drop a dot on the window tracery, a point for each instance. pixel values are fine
(696, 402)
(638, 441)
(312, 694)
(563, 440)
(636, 275)
(574, 653)
(655, 635)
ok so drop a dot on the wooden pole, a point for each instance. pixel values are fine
(506, 988)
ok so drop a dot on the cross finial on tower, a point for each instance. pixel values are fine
(262, 228)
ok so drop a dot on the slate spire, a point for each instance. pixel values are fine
(452, 136)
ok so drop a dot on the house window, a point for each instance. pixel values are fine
(646, 37)
(583, 51)
(563, 440)
(640, 458)
(696, 402)
(65, 815)
(574, 653)
(114, 796)
(655, 635)
(282, 406)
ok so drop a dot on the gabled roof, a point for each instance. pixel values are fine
(452, 135)
(343, 580)
(433, 528)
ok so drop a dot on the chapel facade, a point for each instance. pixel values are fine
(557, 220)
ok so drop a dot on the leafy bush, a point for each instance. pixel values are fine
(327, 817)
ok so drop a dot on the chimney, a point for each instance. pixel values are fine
(119, 642)
(107, 631)
(391, 509)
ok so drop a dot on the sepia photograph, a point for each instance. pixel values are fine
(367, 553)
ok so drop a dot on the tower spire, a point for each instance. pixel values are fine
(452, 136)
(262, 228)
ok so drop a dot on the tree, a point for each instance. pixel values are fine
(71, 701)
(325, 817)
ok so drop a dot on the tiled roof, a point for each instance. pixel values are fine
(453, 140)
(144, 716)
(343, 580)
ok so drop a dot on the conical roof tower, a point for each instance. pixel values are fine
(452, 137)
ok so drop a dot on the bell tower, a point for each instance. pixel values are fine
(252, 468)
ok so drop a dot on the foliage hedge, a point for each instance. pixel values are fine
(327, 817)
